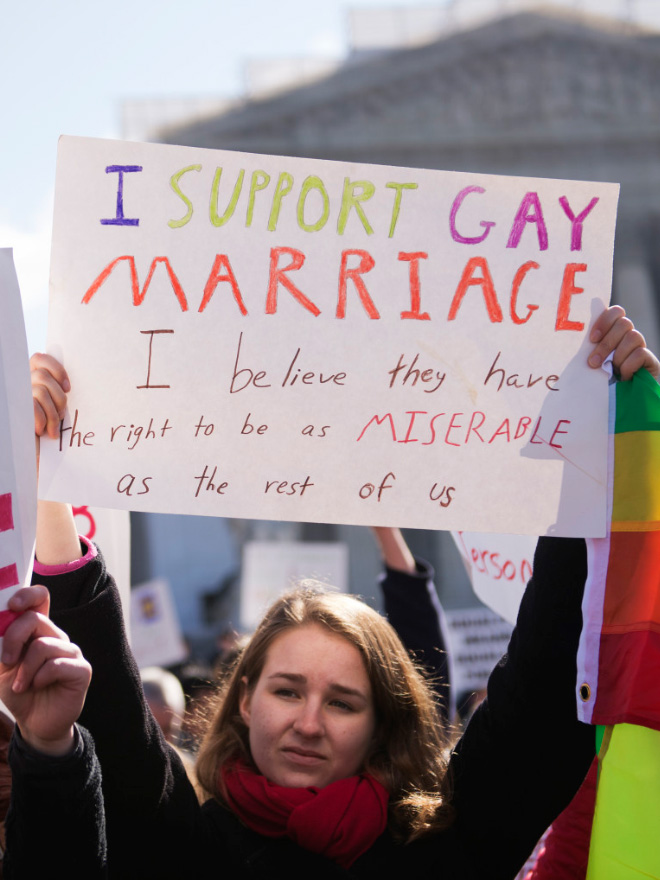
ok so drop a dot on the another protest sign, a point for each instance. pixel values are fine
(18, 474)
(294, 339)
(499, 567)
(156, 638)
(478, 637)
(272, 567)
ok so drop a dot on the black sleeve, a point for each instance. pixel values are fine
(413, 608)
(56, 822)
(524, 753)
(152, 812)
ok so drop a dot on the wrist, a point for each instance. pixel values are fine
(52, 747)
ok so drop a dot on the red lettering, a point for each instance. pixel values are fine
(379, 421)
(568, 290)
(138, 296)
(367, 263)
(475, 428)
(216, 276)
(558, 430)
(515, 287)
(432, 429)
(415, 297)
(84, 511)
(535, 432)
(508, 565)
(521, 430)
(450, 428)
(412, 414)
(487, 288)
(277, 276)
(503, 430)
(477, 559)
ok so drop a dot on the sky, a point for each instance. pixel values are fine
(66, 68)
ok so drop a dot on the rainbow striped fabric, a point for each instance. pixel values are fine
(619, 656)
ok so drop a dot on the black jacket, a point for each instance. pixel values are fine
(517, 766)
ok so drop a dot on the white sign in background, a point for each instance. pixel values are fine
(155, 629)
(270, 568)
(499, 567)
(294, 339)
(18, 470)
(477, 637)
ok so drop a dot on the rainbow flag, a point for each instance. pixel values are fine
(618, 683)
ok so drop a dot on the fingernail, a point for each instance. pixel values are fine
(595, 360)
(17, 686)
(7, 658)
(66, 386)
(595, 336)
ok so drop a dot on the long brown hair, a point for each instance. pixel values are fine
(409, 755)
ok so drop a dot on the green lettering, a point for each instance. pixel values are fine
(310, 183)
(284, 186)
(174, 183)
(231, 207)
(260, 180)
(398, 187)
(351, 199)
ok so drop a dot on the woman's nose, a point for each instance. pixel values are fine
(309, 720)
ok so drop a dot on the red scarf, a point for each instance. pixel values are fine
(340, 821)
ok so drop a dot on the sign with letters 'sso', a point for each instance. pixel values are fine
(268, 337)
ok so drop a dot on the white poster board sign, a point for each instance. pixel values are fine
(272, 567)
(295, 339)
(18, 469)
(478, 637)
(156, 638)
(499, 567)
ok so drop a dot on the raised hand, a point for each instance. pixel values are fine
(614, 332)
(43, 676)
(50, 385)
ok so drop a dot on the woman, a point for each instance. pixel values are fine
(324, 755)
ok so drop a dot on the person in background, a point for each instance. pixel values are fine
(414, 610)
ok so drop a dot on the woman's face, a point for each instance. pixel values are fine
(311, 714)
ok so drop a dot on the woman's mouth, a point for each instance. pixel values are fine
(304, 757)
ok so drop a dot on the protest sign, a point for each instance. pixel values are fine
(18, 473)
(499, 567)
(477, 639)
(156, 638)
(272, 567)
(295, 339)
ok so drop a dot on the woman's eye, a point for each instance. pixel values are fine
(340, 704)
(286, 692)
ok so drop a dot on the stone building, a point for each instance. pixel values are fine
(541, 95)
(544, 94)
